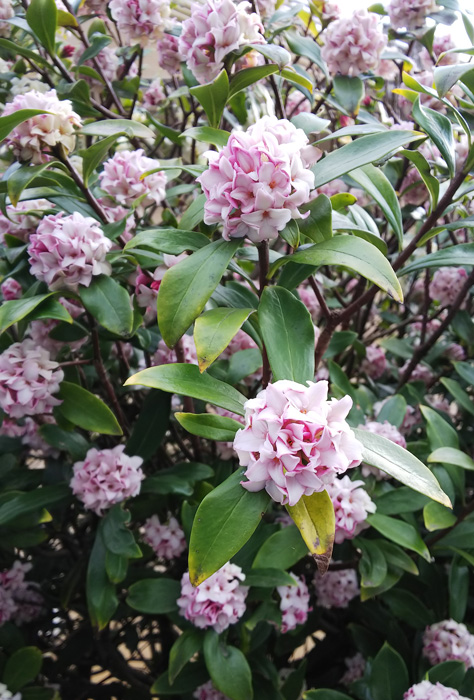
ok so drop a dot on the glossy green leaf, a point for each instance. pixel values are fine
(214, 330)
(353, 253)
(400, 464)
(93, 156)
(364, 150)
(451, 455)
(459, 584)
(448, 673)
(274, 53)
(378, 186)
(172, 241)
(307, 48)
(314, 517)
(325, 694)
(457, 392)
(228, 668)
(225, 520)
(281, 550)
(21, 178)
(348, 91)
(389, 675)
(51, 309)
(186, 682)
(187, 380)
(462, 254)
(26, 503)
(465, 371)
(447, 76)
(209, 425)
(151, 425)
(340, 341)
(408, 608)
(213, 97)
(373, 565)
(22, 668)
(109, 127)
(187, 286)
(109, 303)
(439, 129)
(439, 432)
(396, 557)
(71, 442)
(423, 167)
(154, 596)
(117, 537)
(268, 578)
(437, 517)
(318, 225)
(393, 410)
(194, 214)
(244, 78)
(284, 318)
(400, 532)
(42, 17)
(207, 134)
(185, 647)
(291, 233)
(298, 77)
(13, 311)
(84, 409)
(102, 601)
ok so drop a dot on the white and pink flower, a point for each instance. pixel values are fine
(10, 289)
(121, 179)
(209, 692)
(448, 640)
(336, 589)
(294, 604)
(352, 504)
(375, 362)
(410, 14)
(446, 284)
(353, 45)
(169, 57)
(167, 540)
(140, 21)
(23, 219)
(432, 691)
(6, 12)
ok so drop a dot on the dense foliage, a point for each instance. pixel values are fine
(236, 377)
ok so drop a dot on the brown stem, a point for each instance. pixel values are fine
(92, 201)
(263, 265)
(319, 296)
(280, 107)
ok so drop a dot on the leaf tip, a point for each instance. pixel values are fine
(132, 380)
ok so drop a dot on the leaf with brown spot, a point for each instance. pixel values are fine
(314, 518)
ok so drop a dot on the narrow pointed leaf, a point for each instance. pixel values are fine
(378, 186)
(439, 129)
(314, 518)
(85, 410)
(209, 426)
(451, 455)
(462, 254)
(214, 330)
(213, 97)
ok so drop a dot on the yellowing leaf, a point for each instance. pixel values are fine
(314, 518)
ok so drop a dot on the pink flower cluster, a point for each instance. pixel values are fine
(351, 504)
(23, 219)
(153, 97)
(121, 179)
(38, 135)
(28, 380)
(421, 373)
(217, 602)
(169, 57)
(353, 45)
(336, 589)
(165, 356)
(140, 20)
(208, 692)
(106, 477)
(67, 251)
(256, 183)
(19, 599)
(215, 28)
(448, 640)
(166, 540)
(446, 284)
(11, 289)
(6, 12)
(375, 362)
(410, 14)
(432, 691)
(355, 669)
(308, 297)
(294, 604)
(295, 441)
(106, 59)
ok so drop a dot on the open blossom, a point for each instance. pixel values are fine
(258, 181)
(336, 589)
(355, 669)
(166, 539)
(432, 691)
(6, 12)
(11, 289)
(375, 362)
(20, 600)
(215, 28)
(410, 14)
(169, 57)
(106, 477)
(208, 692)
(455, 352)
(35, 137)
(165, 355)
(353, 45)
(352, 504)
(153, 97)
(448, 640)
(108, 62)
(140, 20)
(217, 602)
(120, 178)
(294, 604)
(421, 373)
(295, 441)
(67, 251)
(446, 284)
(28, 380)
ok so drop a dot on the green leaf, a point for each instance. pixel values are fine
(400, 500)
(396, 557)
(373, 565)
(437, 517)
(214, 330)
(353, 253)
(298, 77)
(225, 520)
(68, 441)
(42, 16)
(348, 91)
(207, 134)
(465, 371)
(314, 517)
(182, 651)
(340, 341)
(116, 567)
(109, 303)
(186, 682)
(22, 668)
(281, 550)
(117, 537)
(440, 433)
(423, 167)
(102, 601)
(109, 127)
(325, 694)
(451, 455)
(389, 675)
(400, 532)
(245, 78)
(84, 409)
(378, 186)
(462, 398)
(187, 286)
(408, 608)
(306, 47)
(228, 668)
(194, 214)
(209, 425)
(151, 425)
(93, 156)
(21, 178)
(268, 578)
(364, 150)
(187, 380)
(13, 311)
(458, 590)
(51, 309)
(284, 318)
(25, 503)
(99, 42)
(318, 225)
(291, 233)
(448, 673)
(172, 241)
(154, 596)
(401, 464)
(213, 97)
(439, 129)
(393, 410)
(447, 76)
(273, 52)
